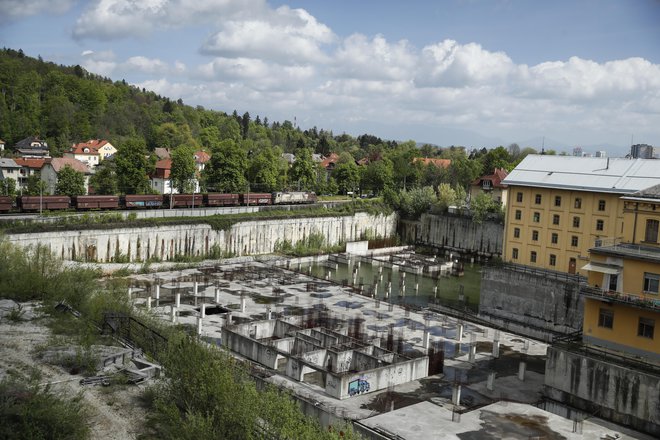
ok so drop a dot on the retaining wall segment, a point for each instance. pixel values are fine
(530, 303)
(455, 232)
(625, 395)
(166, 242)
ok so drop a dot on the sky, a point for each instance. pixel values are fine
(454, 72)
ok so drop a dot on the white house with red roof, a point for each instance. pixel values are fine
(91, 152)
(52, 168)
(492, 185)
(161, 180)
(28, 166)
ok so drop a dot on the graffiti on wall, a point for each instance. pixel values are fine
(358, 386)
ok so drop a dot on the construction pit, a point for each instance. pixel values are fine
(348, 355)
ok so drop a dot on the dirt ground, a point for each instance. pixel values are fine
(115, 410)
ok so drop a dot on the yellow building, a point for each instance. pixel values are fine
(559, 207)
(622, 301)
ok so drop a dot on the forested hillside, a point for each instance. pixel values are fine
(66, 104)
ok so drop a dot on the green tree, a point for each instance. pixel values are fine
(35, 186)
(303, 171)
(267, 170)
(70, 182)
(446, 196)
(378, 175)
(346, 174)
(496, 158)
(406, 173)
(183, 169)
(8, 187)
(482, 205)
(104, 180)
(132, 167)
(225, 172)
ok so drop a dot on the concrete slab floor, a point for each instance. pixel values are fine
(496, 421)
(485, 362)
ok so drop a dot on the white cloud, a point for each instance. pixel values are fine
(107, 19)
(104, 63)
(284, 35)
(10, 9)
(358, 57)
(145, 65)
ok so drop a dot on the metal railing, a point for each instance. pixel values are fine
(624, 298)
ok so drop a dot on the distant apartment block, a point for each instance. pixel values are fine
(642, 151)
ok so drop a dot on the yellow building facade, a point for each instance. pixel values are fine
(622, 300)
(554, 228)
(559, 207)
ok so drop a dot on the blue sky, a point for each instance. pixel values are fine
(462, 72)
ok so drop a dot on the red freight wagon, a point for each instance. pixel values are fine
(36, 203)
(183, 200)
(217, 199)
(5, 203)
(256, 198)
(96, 202)
(142, 201)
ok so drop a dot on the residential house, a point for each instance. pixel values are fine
(28, 166)
(161, 178)
(2, 145)
(32, 146)
(290, 158)
(162, 153)
(9, 169)
(91, 152)
(440, 163)
(492, 185)
(52, 167)
(559, 206)
(201, 157)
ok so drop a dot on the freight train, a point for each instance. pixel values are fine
(151, 201)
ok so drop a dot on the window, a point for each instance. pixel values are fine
(613, 284)
(651, 282)
(537, 217)
(600, 224)
(606, 318)
(578, 203)
(574, 241)
(601, 205)
(555, 219)
(532, 257)
(537, 199)
(516, 232)
(519, 197)
(514, 253)
(645, 328)
(518, 214)
(535, 235)
(554, 238)
(576, 222)
(553, 260)
(557, 200)
(651, 231)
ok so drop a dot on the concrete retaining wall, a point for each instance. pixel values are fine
(536, 304)
(456, 233)
(625, 395)
(167, 242)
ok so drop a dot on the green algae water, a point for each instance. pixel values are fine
(401, 287)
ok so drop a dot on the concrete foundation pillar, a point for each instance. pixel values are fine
(416, 288)
(456, 395)
(177, 300)
(521, 371)
(426, 339)
(473, 353)
(491, 381)
(228, 317)
(130, 293)
(157, 292)
(199, 325)
(173, 314)
(403, 289)
(217, 295)
(496, 349)
(243, 305)
(149, 303)
(269, 313)
(195, 288)
(459, 333)
(435, 291)
(202, 311)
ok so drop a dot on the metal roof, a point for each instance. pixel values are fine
(8, 163)
(596, 174)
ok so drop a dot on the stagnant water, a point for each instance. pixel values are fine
(420, 289)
